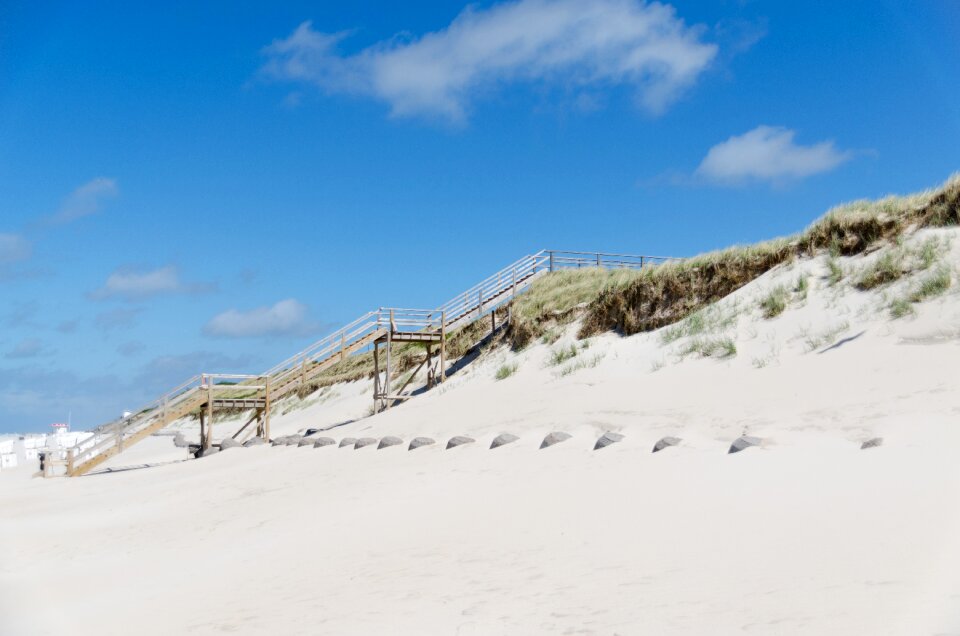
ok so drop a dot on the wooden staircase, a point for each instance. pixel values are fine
(200, 393)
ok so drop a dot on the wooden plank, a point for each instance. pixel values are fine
(171, 415)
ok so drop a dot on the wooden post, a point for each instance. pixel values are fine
(598, 260)
(429, 370)
(209, 439)
(479, 302)
(266, 411)
(551, 261)
(376, 377)
(443, 345)
(303, 372)
(514, 282)
(203, 428)
(343, 346)
(386, 378)
(493, 321)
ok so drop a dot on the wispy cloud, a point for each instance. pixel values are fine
(569, 43)
(130, 284)
(286, 317)
(768, 153)
(67, 326)
(22, 315)
(131, 348)
(120, 318)
(14, 248)
(86, 200)
(28, 348)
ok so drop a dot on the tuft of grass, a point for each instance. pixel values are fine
(825, 338)
(708, 320)
(834, 271)
(774, 303)
(802, 286)
(550, 336)
(581, 363)
(505, 371)
(887, 268)
(710, 348)
(928, 253)
(900, 307)
(932, 285)
(562, 354)
(656, 365)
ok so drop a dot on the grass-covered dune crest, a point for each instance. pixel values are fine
(631, 301)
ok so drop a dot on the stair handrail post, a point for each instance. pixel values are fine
(551, 260)
(266, 410)
(386, 378)
(443, 345)
(343, 346)
(514, 295)
(598, 259)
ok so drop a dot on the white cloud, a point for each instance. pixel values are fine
(563, 42)
(129, 284)
(14, 248)
(86, 200)
(768, 153)
(286, 317)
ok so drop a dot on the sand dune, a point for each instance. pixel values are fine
(805, 533)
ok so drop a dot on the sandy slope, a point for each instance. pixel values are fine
(808, 534)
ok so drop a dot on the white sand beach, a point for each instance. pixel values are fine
(806, 533)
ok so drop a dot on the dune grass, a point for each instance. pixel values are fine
(505, 371)
(710, 348)
(561, 354)
(775, 302)
(887, 268)
(933, 285)
(901, 307)
(665, 294)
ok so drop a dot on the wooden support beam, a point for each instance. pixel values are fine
(254, 418)
(203, 427)
(414, 374)
(376, 377)
(443, 346)
(209, 439)
(266, 410)
(431, 378)
(386, 379)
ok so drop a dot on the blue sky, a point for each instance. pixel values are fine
(187, 189)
